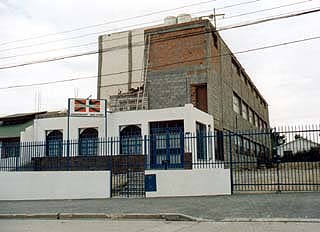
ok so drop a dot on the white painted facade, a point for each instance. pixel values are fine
(115, 122)
(120, 62)
(54, 185)
(196, 182)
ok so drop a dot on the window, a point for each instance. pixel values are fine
(131, 140)
(236, 103)
(260, 123)
(54, 141)
(88, 142)
(245, 111)
(256, 120)
(201, 141)
(251, 116)
(199, 96)
(10, 148)
(218, 145)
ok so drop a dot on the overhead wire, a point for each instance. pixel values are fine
(112, 30)
(104, 40)
(284, 16)
(160, 66)
(109, 22)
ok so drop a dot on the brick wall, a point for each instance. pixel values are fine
(171, 73)
(176, 61)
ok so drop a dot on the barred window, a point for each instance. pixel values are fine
(245, 111)
(236, 103)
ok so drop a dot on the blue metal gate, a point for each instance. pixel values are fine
(167, 148)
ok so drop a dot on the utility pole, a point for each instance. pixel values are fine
(214, 16)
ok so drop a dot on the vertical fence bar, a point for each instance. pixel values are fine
(231, 166)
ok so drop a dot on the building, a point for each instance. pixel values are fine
(179, 62)
(298, 145)
(11, 127)
(165, 136)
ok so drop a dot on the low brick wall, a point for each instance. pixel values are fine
(118, 163)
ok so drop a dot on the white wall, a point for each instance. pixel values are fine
(115, 60)
(189, 114)
(54, 185)
(196, 182)
(37, 132)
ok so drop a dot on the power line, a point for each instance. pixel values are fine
(113, 30)
(314, 10)
(110, 22)
(93, 43)
(283, 16)
(159, 66)
(267, 9)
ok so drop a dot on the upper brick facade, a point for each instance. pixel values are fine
(182, 55)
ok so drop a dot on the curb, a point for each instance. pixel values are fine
(283, 220)
(69, 216)
(165, 217)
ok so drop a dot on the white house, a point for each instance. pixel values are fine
(176, 139)
(299, 144)
(166, 136)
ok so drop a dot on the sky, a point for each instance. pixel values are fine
(288, 77)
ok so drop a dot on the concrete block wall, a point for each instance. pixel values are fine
(176, 61)
(171, 74)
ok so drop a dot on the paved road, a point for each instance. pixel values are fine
(284, 205)
(154, 226)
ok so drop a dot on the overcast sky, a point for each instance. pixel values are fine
(288, 76)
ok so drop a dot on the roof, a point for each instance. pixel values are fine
(21, 116)
(300, 140)
(13, 131)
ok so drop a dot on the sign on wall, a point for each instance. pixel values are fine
(87, 107)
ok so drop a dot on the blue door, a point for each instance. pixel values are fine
(167, 146)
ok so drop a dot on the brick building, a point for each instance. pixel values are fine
(182, 61)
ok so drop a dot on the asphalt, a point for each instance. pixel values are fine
(217, 208)
(154, 226)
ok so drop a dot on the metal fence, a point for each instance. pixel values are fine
(283, 159)
(161, 151)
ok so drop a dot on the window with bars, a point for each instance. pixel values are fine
(131, 140)
(236, 103)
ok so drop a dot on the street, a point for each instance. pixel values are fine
(132, 226)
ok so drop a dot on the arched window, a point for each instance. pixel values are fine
(54, 141)
(88, 142)
(131, 140)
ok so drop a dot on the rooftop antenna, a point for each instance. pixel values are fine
(214, 17)
(76, 92)
(89, 97)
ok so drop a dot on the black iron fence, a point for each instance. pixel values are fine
(162, 151)
(284, 159)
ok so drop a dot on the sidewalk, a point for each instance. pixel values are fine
(284, 205)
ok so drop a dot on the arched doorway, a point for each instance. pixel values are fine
(88, 142)
(54, 143)
(131, 140)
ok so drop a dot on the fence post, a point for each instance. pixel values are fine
(145, 153)
(278, 173)
(68, 154)
(230, 160)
